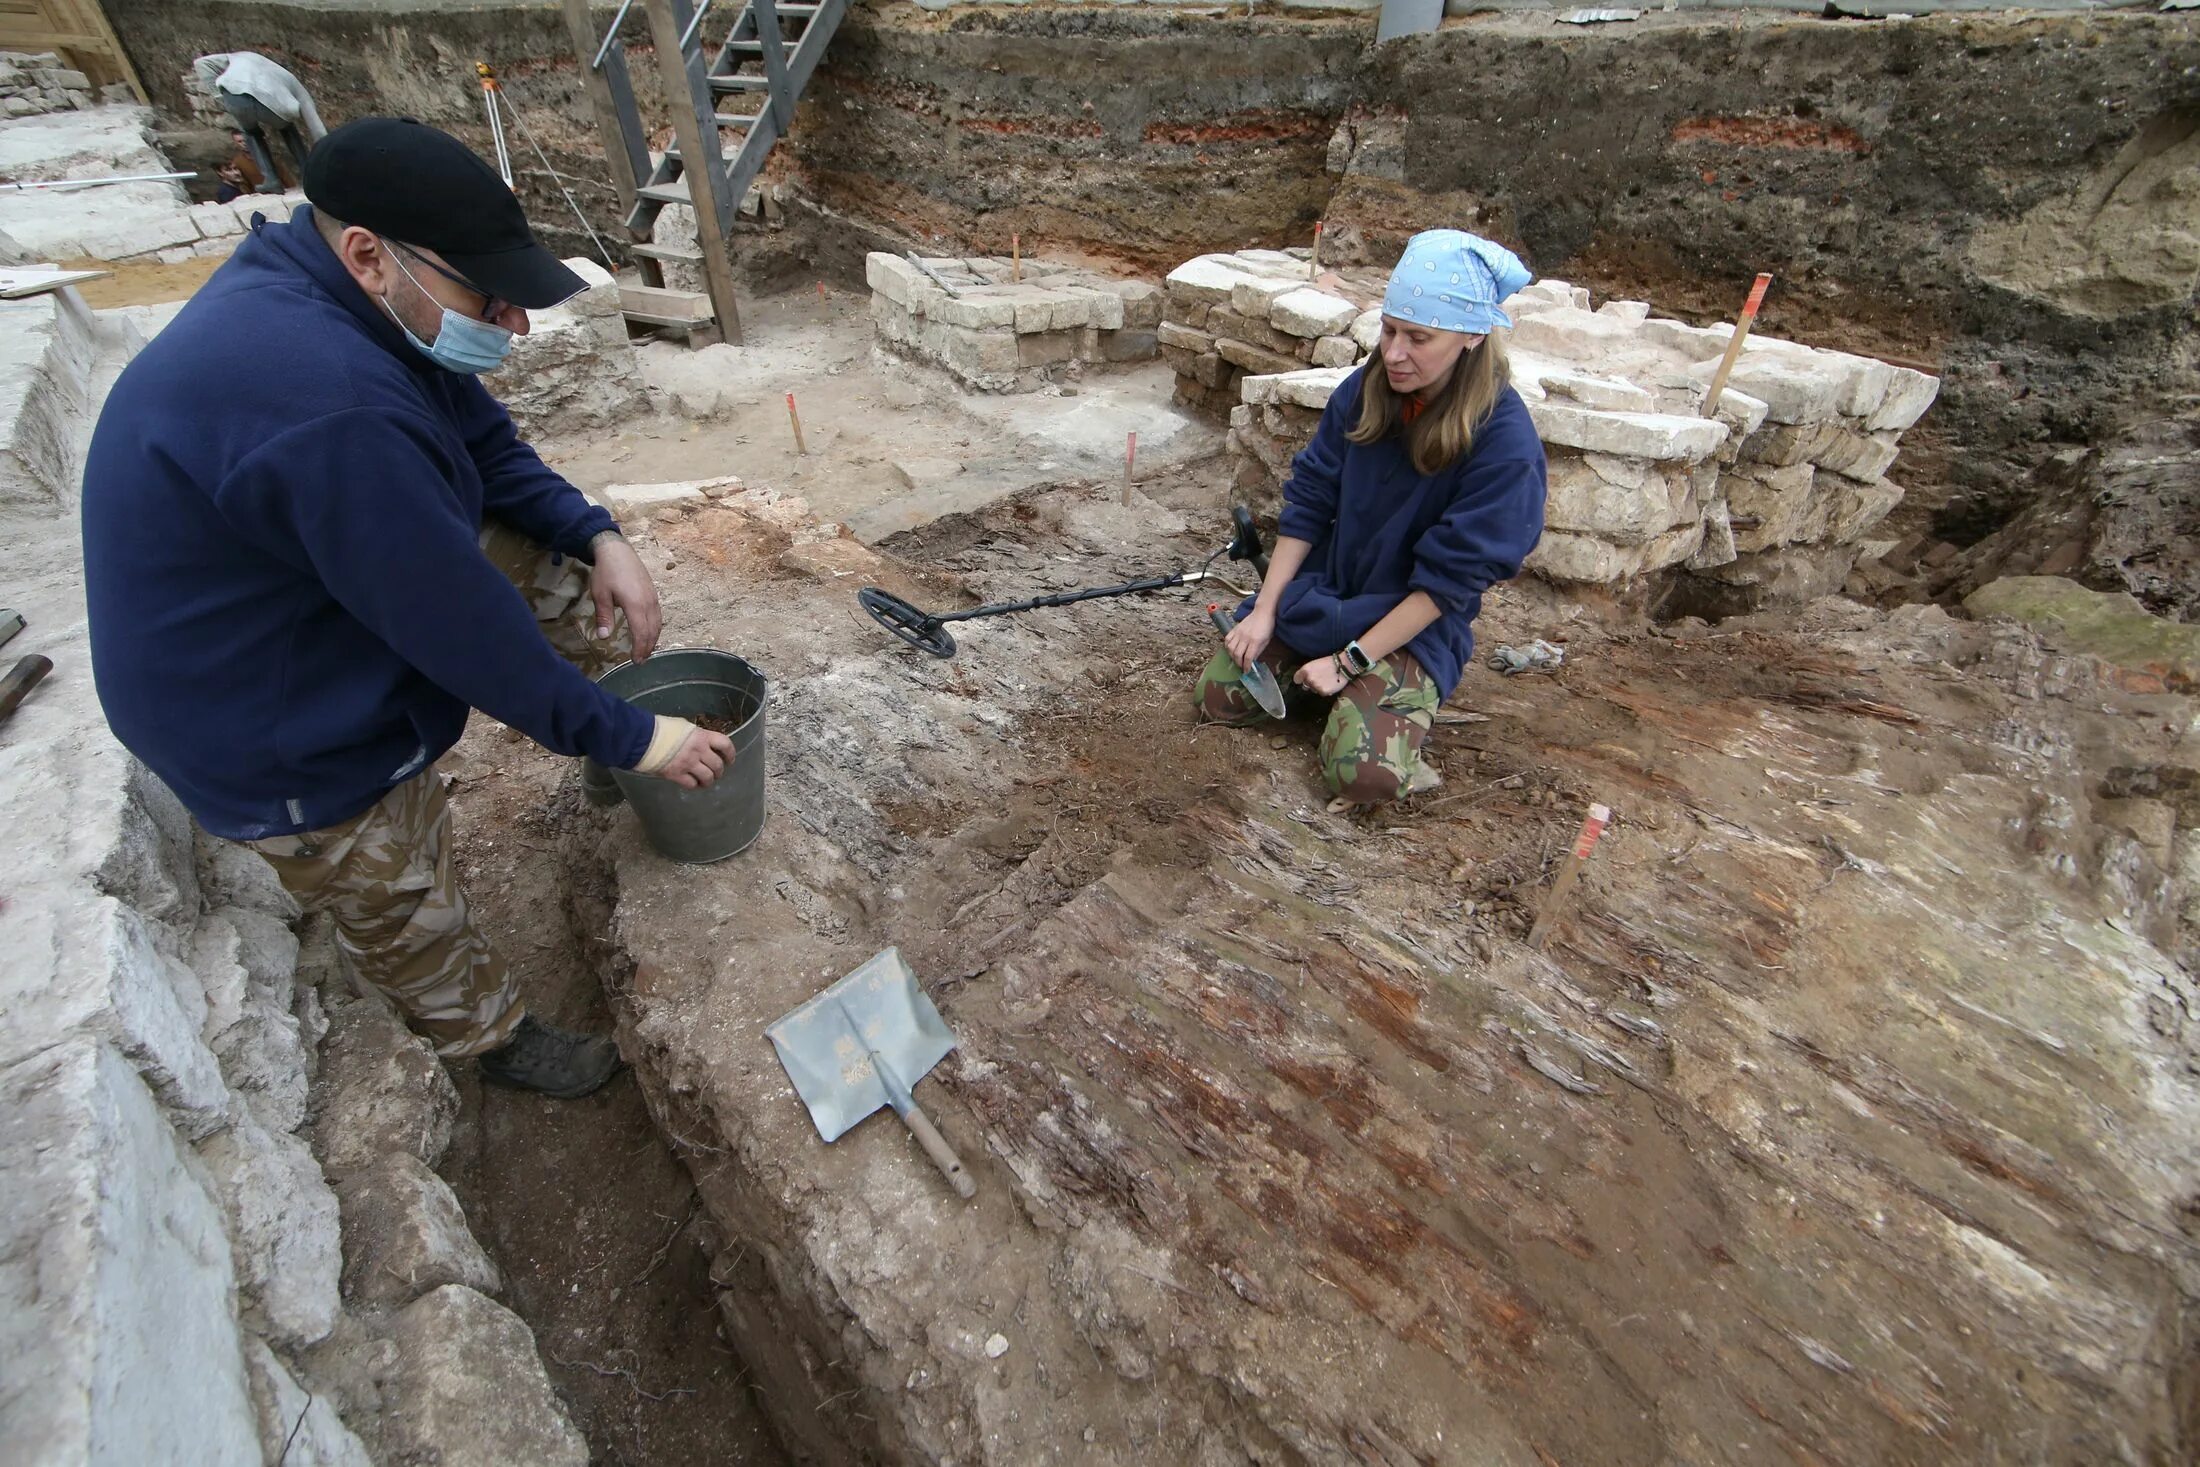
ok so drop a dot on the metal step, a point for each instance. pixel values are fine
(736, 119)
(756, 48)
(725, 84)
(663, 193)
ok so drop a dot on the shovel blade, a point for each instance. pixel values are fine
(826, 1045)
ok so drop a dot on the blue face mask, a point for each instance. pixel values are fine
(462, 343)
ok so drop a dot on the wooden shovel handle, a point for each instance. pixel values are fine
(935, 1146)
(21, 678)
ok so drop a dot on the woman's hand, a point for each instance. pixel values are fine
(1250, 637)
(1323, 675)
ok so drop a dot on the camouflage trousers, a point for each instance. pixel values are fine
(386, 875)
(1371, 745)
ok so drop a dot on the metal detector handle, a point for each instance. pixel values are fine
(1246, 544)
(935, 1146)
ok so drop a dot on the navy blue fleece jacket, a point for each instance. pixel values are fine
(290, 612)
(1381, 530)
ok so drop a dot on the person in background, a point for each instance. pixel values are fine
(1422, 488)
(263, 98)
(238, 174)
(313, 542)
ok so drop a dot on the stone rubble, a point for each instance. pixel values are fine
(999, 334)
(31, 84)
(1773, 497)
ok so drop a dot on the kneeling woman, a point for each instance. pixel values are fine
(1422, 488)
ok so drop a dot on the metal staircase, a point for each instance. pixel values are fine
(747, 86)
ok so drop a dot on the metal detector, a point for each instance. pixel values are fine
(928, 633)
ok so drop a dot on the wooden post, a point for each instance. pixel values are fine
(1734, 346)
(1016, 257)
(1592, 826)
(1314, 260)
(1130, 457)
(687, 93)
(585, 41)
(796, 419)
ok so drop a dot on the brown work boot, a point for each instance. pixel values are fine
(549, 1060)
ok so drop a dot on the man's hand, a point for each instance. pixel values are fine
(701, 758)
(1323, 676)
(621, 582)
(1250, 637)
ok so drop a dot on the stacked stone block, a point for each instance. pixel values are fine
(1258, 313)
(1774, 494)
(40, 83)
(1000, 334)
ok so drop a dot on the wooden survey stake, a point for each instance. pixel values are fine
(1016, 257)
(796, 419)
(1314, 260)
(1130, 458)
(1568, 874)
(1734, 346)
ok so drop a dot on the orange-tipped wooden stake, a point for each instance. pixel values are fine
(1734, 345)
(1314, 261)
(1016, 257)
(1130, 457)
(1568, 874)
(796, 419)
(823, 309)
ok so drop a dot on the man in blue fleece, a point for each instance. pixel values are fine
(285, 504)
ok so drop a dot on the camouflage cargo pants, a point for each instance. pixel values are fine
(386, 875)
(1371, 745)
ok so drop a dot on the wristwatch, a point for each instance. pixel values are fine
(1354, 660)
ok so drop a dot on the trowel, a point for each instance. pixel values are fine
(863, 1043)
(1259, 679)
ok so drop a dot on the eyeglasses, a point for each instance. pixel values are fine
(492, 307)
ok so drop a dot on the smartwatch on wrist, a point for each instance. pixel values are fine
(1354, 660)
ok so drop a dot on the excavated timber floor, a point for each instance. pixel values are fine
(1846, 1118)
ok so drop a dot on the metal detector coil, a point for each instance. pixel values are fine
(915, 627)
(927, 631)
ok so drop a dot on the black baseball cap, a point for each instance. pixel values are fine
(416, 185)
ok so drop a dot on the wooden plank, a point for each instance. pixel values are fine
(659, 303)
(688, 94)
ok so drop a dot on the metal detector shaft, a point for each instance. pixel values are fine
(1066, 598)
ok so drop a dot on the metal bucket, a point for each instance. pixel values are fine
(692, 826)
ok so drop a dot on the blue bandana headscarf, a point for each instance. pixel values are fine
(1452, 281)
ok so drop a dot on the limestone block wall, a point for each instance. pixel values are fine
(180, 1282)
(999, 333)
(575, 369)
(1776, 493)
(43, 82)
(1259, 312)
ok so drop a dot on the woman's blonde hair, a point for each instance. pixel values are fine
(1444, 431)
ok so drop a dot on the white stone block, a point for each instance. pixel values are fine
(1742, 414)
(974, 310)
(1367, 330)
(1283, 264)
(1051, 310)
(1311, 389)
(896, 279)
(1336, 351)
(297, 1428)
(1794, 389)
(1561, 556)
(405, 1234)
(1844, 509)
(1694, 343)
(1633, 313)
(1608, 394)
(1779, 499)
(1311, 313)
(1184, 338)
(1538, 295)
(1909, 394)
(628, 502)
(1104, 308)
(118, 1342)
(1207, 280)
(1252, 295)
(473, 1388)
(283, 1228)
(1867, 389)
(208, 248)
(1662, 436)
(216, 221)
(1626, 508)
(1571, 335)
(1260, 389)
